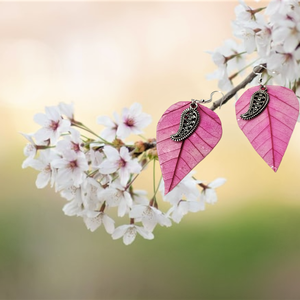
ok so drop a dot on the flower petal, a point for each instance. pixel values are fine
(129, 235)
(111, 153)
(119, 231)
(217, 182)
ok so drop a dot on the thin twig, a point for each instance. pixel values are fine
(230, 94)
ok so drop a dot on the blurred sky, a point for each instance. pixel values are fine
(103, 56)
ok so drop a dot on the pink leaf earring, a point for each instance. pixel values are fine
(268, 122)
(186, 133)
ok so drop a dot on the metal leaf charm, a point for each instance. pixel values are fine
(189, 122)
(258, 103)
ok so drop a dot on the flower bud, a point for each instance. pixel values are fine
(152, 153)
(139, 147)
(117, 143)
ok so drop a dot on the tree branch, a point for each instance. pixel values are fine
(230, 94)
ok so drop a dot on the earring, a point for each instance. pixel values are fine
(268, 122)
(186, 133)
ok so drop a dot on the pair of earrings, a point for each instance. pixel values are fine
(188, 131)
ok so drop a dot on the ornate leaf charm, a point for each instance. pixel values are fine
(189, 121)
(269, 133)
(177, 159)
(258, 103)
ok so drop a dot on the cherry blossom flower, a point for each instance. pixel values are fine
(129, 232)
(74, 195)
(247, 34)
(263, 41)
(284, 64)
(43, 164)
(73, 208)
(247, 15)
(149, 216)
(67, 110)
(186, 188)
(228, 58)
(110, 132)
(52, 125)
(91, 200)
(70, 142)
(133, 120)
(208, 194)
(183, 207)
(92, 223)
(243, 12)
(95, 157)
(287, 33)
(115, 195)
(30, 149)
(120, 162)
(276, 7)
(71, 168)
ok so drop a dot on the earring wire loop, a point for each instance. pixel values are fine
(210, 99)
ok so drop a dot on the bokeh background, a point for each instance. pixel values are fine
(103, 56)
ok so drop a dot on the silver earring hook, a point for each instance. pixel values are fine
(259, 73)
(210, 99)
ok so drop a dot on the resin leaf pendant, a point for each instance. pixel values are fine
(189, 121)
(178, 158)
(269, 132)
(258, 103)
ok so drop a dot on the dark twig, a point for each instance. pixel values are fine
(230, 94)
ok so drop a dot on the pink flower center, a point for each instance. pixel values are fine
(54, 125)
(75, 147)
(122, 163)
(129, 122)
(73, 164)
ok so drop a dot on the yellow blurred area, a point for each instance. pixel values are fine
(103, 56)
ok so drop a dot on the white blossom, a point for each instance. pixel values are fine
(284, 64)
(247, 34)
(73, 208)
(245, 15)
(43, 164)
(287, 33)
(93, 223)
(92, 202)
(120, 162)
(67, 110)
(208, 195)
(149, 216)
(183, 207)
(129, 232)
(115, 195)
(276, 7)
(263, 41)
(70, 168)
(133, 120)
(30, 149)
(70, 142)
(186, 188)
(110, 132)
(52, 125)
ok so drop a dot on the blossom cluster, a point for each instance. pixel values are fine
(95, 173)
(268, 35)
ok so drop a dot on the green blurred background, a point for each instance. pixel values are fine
(103, 56)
